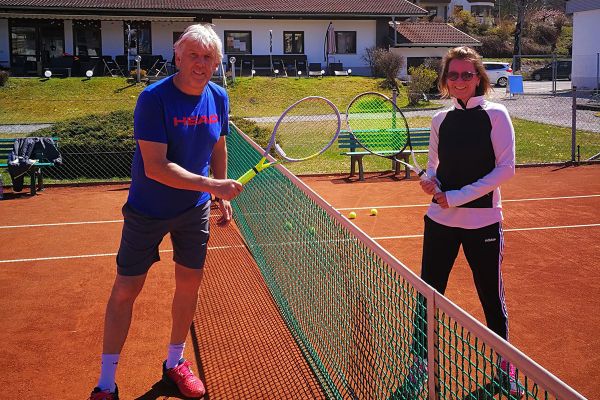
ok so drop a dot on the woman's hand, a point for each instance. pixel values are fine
(441, 199)
(428, 185)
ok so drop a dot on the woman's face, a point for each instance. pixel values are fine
(462, 79)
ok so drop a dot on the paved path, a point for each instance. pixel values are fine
(545, 108)
(22, 129)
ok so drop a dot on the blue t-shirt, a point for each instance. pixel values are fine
(190, 126)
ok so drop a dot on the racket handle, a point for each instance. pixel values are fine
(423, 176)
(247, 176)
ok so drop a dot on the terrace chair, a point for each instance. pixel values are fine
(337, 69)
(301, 66)
(121, 61)
(314, 69)
(246, 67)
(158, 67)
(111, 67)
(61, 66)
(279, 66)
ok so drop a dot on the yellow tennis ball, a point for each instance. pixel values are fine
(352, 215)
(312, 230)
(288, 226)
(374, 211)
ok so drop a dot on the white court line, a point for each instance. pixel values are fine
(62, 223)
(540, 228)
(110, 221)
(504, 201)
(99, 255)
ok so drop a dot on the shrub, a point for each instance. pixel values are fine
(143, 73)
(97, 146)
(3, 77)
(466, 22)
(259, 134)
(384, 64)
(422, 79)
(495, 46)
(529, 46)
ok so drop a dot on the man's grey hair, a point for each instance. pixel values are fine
(203, 34)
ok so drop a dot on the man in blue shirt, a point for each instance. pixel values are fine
(180, 124)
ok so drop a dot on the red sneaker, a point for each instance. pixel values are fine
(182, 376)
(99, 394)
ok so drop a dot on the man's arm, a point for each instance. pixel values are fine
(160, 169)
(218, 161)
(218, 164)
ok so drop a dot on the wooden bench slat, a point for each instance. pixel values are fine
(419, 138)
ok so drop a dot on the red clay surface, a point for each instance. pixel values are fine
(52, 309)
(56, 279)
(551, 267)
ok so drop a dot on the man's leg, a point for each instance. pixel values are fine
(176, 369)
(185, 300)
(119, 311)
(190, 236)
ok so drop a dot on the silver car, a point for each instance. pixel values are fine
(498, 72)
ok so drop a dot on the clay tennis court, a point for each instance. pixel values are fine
(57, 266)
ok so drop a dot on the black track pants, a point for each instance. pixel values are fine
(483, 249)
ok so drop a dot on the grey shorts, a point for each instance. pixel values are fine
(142, 235)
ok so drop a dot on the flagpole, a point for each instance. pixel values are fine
(271, 48)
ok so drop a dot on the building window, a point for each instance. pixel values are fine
(238, 42)
(86, 38)
(293, 42)
(432, 11)
(138, 38)
(345, 42)
(481, 11)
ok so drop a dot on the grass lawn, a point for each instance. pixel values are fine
(33, 100)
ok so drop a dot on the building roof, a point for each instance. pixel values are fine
(574, 6)
(433, 2)
(331, 8)
(431, 34)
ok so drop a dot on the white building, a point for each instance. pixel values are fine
(586, 46)
(35, 34)
(483, 11)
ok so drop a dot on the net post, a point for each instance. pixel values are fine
(432, 356)
(573, 124)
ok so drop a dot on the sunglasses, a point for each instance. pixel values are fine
(465, 76)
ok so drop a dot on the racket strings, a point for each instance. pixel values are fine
(307, 129)
(377, 124)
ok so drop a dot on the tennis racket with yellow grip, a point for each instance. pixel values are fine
(304, 130)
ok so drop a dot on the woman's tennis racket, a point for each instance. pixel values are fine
(378, 125)
(305, 129)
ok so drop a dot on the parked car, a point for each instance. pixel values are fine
(563, 71)
(498, 72)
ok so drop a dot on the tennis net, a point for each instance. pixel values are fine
(368, 327)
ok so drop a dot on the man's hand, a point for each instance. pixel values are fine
(227, 189)
(226, 213)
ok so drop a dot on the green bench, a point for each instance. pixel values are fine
(347, 143)
(35, 173)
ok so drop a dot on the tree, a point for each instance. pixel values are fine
(421, 80)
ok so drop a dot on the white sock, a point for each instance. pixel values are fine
(175, 354)
(108, 371)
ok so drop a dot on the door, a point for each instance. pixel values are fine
(34, 43)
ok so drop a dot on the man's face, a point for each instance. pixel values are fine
(196, 64)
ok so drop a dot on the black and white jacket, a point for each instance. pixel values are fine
(471, 153)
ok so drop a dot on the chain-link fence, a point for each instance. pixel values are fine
(560, 127)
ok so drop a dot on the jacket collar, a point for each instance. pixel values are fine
(472, 103)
